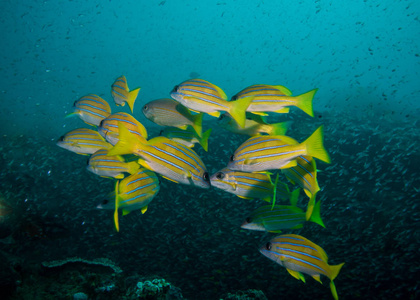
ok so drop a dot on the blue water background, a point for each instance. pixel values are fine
(362, 55)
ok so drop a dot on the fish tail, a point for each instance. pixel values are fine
(316, 214)
(133, 167)
(204, 140)
(131, 98)
(280, 128)
(315, 146)
(304, 102)
(238, 109)
(334, 272)
(197, 124)
(310, 207)
(294, 197)
(127, 142)
(275, 191)
(117, 225)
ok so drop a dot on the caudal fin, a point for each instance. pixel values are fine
(197, 124)
(334, 272)
(280, 128)
(315, 146)
(238, 110)
(304, 102)
(128, 143)
(117, 225)
(316, 214)
(204, 140)
(131, 98)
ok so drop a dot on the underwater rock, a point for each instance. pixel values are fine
(245, 295)
(80, 296)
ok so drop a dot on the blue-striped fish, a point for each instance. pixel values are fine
(304, 174)
(83, 141)
(275, 98)
(132, 193)
(187, 137)
(92, 109)
(279, 217)
(170, 159)
(299, 255)
(168, 112)
(263, 153)
(251, 185)
(254, 125)
(110, 166)
(122, 94)
(202, 96)
(109, 126)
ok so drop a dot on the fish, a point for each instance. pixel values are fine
(170, 159)
(83, 141)
(250, 185)
(279, 217)
(110, 166)
(299, 255)
(108, 128)
(202, 96)
(168, 112)
(122, 94)
(92, 109)
(254, 125)
(187, 137)
(304, 174)
(132, 193)
(275, 98)
(261, 153)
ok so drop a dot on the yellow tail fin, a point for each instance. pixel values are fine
(316, 214)
(131, 98)
(117, 225)
(238, 110)
(304, 102)
(280, 128)
(133, 167)
(197, 124)
(128, 143)
(334, 272)
(315, 146)
(204, 140)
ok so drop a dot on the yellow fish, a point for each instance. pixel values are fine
(122, 94)
(261, 153)
(92, 109)
(168, 158)
(109, 126)
(202, 96)
(83, 141)
(110, 166)
(275, 98)
(299, 255)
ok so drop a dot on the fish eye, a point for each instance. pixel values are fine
(206, 176)
(231, 157)
(268, 246)
(175, 89)
(145, 108)
(248, 220)
(220, 175)
(234, 98)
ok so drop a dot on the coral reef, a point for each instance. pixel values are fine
(98, 261)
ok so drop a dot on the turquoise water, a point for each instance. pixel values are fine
(364, 58)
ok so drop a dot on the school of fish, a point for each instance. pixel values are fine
(119, 148)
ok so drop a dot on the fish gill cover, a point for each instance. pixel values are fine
(58, 216)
